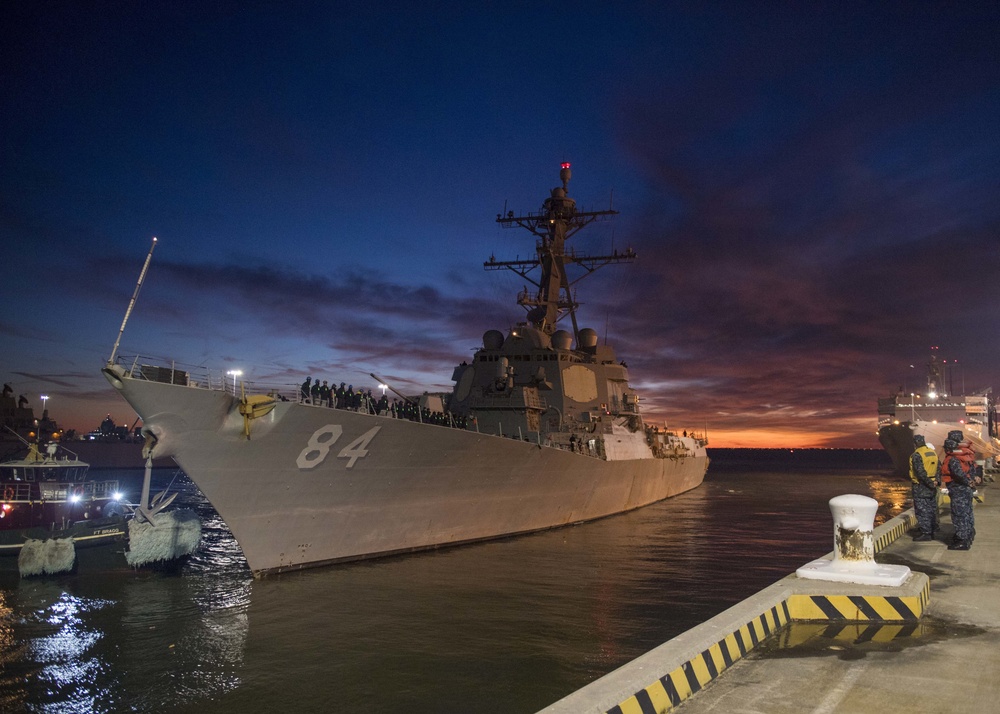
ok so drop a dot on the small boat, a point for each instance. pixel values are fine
(51, 512)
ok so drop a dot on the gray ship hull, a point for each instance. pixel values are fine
(897, 440)
(314, 486)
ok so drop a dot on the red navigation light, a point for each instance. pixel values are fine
(565, 165)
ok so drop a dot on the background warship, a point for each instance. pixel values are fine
(934, 413)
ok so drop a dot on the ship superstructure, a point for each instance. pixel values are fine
(543, 381)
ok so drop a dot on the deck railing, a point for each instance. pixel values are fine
(154, 369)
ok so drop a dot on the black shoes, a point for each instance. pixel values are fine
(959, 546)
(922, 537)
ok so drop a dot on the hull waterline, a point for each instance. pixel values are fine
(315, 486)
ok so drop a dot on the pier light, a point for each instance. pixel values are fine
(383, 387)
(45, 398)
(74, 498)
(235, 373)
(116, 496)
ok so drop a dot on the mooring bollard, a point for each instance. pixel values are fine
(854, 547)
(853, 530)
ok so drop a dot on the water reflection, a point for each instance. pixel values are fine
(109, 641)
(13, 651)
(142, 642)
(69, 669)
(526, 619)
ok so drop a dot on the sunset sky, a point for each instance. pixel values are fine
(813, 192)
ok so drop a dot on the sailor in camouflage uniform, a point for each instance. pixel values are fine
(924, 474)
(960, 466)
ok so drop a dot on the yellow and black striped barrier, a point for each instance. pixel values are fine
(894, 529)
(857, 614)
(859, 608)
(672, 689)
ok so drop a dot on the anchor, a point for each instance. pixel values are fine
(161, 500)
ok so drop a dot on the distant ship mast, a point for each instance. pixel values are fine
(554, 225)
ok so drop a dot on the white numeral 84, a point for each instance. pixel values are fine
(323, 439)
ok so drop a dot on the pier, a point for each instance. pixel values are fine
(931, 644)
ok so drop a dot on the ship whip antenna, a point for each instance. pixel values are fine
(406, 399)
(131, 304)
(21, 438)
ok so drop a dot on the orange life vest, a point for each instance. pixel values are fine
(964, 454)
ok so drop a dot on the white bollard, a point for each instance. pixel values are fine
(854, 547)
(853, 531)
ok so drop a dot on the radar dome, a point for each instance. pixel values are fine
(562, 340)
(588, 338)
(536, 314)
(493, 339)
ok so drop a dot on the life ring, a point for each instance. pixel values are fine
(8, 493)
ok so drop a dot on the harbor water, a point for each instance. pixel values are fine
(505, 626)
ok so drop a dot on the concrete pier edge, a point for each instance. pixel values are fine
(662, 678)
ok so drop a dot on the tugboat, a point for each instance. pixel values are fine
(49, 509)
(51, 512)
(542, 429)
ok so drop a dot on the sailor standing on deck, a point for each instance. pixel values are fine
(959, 464)
(926, 479)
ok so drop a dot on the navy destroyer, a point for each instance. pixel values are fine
(541, 429)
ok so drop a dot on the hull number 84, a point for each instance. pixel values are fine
(322, 441)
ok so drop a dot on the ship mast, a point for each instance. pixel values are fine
(557, 222)
(131, 303)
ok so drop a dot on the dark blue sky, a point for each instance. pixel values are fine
(812, 192)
